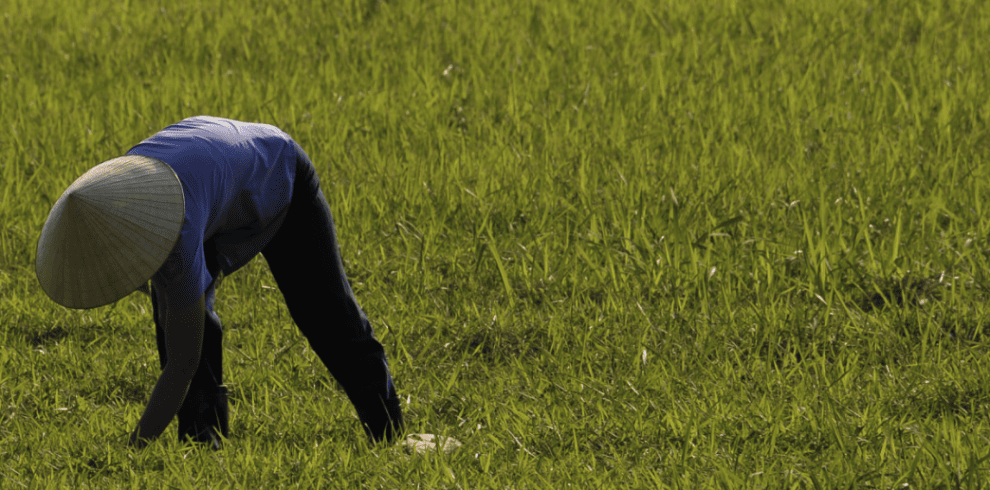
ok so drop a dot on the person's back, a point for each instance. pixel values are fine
(237, 178)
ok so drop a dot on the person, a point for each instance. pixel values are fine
(186, 207)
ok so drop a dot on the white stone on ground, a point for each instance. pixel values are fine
(425, 443)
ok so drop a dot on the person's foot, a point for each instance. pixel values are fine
(381, 421)
(209, 437)
(215, 442)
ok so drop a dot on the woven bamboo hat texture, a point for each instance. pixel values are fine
(110, 231)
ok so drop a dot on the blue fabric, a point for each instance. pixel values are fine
(237, 178)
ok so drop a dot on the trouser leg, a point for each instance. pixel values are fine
(305, 261)
(204, 410)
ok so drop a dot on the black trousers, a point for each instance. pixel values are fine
(304, 259)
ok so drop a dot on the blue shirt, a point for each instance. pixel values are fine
(237, 179)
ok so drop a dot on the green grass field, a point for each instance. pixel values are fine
(605, 244)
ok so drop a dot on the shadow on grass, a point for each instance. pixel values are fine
(496, 344)
(939, 400)
(907, 291)
(44, 337)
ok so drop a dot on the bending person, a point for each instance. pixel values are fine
(185, 207)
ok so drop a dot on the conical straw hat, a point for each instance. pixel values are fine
(110, 231)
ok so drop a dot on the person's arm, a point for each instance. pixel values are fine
(184, 341)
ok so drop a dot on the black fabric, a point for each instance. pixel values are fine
(305, 261)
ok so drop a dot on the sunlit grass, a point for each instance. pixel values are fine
(630, 244)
